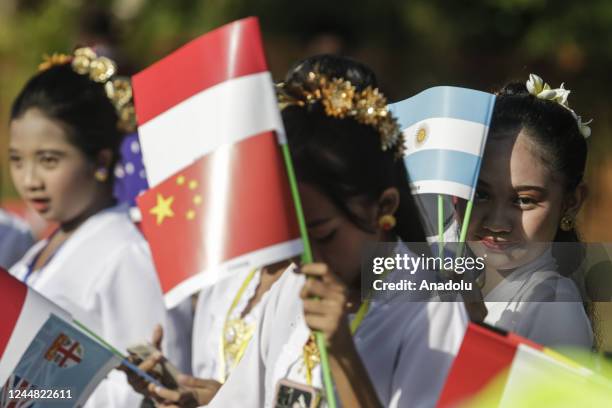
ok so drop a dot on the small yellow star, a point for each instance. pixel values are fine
(190, 215)
(163, 208)
(193, 184)
(180, 180)
(197, 200)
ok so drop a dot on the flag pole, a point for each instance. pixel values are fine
(464, 225)
(124, 358)
(440, 225)
(307, 258)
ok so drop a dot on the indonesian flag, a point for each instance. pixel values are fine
(211, 134)
(504, 364)
(40, 349)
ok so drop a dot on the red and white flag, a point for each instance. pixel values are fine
(503, 364)
(24, 312)
(210, 132)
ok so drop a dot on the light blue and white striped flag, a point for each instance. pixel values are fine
(445, 129)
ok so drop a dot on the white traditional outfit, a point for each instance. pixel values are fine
(104, 276)
(536, 302)
(221, 333)
(177, 335)
(15, 239)
(406, 347)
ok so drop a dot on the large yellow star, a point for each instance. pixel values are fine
(163, 209)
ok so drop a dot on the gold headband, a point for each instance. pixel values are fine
(340, 99)
(102, 70)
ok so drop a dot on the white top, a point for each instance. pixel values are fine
(177, 335)
(407, 348)
(536, 302)
(211, 311)
(15, 239)
(104, 276)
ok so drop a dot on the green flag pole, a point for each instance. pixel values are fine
(124, 358)
(464, 225)
(307, 258)
(99, 339)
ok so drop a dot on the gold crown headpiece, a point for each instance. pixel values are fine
(341, 99)
(102, 70)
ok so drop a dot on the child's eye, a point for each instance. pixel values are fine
(326, 238)
(49, 161)
(525, 202)
(481, 195)
(15, 160)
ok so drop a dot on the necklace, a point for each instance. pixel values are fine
(236, 335)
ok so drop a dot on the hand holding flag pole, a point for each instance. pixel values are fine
(307, 258)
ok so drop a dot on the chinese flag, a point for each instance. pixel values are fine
(211, 133)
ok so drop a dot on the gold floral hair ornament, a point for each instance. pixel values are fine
(53, 59)
(102, 70)
(540, 89)
(341, 99)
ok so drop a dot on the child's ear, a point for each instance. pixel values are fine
(575, 199)
(388, 202)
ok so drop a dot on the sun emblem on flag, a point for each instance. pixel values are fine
(65, 352)
(421, 136)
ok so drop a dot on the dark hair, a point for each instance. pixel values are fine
(79, 103)
(342, 157)
(557, 140)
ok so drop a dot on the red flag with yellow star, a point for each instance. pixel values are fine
(210, 132)
(228, 210)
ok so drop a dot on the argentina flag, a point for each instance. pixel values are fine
(445, 130)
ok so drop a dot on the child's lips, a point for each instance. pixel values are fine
(497, 245)
(41, 205)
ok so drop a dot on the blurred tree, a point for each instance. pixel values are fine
(411, 44)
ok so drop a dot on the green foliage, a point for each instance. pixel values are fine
(411, 44)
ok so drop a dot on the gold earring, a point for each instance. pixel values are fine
(387, 222)
(567, 223)
(101, 175)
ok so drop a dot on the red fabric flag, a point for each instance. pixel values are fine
(211, 135)
(484, 354)
(230, 203)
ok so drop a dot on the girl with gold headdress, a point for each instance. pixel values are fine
(65, 129)
(353, 187)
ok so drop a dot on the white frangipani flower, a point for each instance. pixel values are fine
(535, 84)
(541, 90)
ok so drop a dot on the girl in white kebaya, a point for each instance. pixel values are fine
(354, 191)
(530, 190)
(64, 139)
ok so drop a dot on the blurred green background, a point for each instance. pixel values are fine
(411, 44)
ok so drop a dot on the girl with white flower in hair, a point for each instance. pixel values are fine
(529, 192)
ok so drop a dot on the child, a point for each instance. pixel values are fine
(65, 132)
(530, 190)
